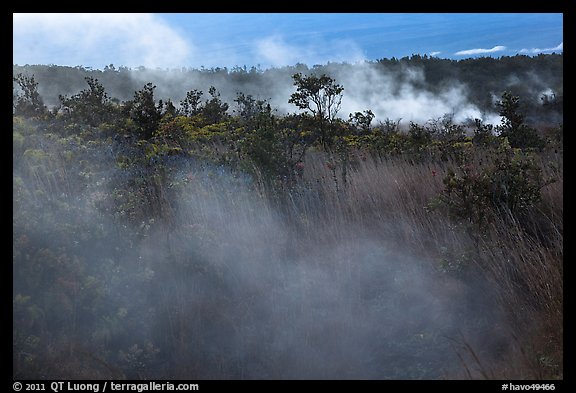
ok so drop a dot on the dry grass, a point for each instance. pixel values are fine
(515, 260)
(522, 257)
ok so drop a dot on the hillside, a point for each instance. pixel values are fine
(254, 224)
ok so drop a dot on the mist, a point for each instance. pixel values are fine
(395, 95)
(221, 283)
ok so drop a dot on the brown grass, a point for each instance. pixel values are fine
(521, 256)
(389, 201)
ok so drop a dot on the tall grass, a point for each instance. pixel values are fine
(520, 257)
(219, 276)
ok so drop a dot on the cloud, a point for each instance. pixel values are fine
(275, 51)
(434, 53)
(81, 39)
(559, 47)
(479, 51)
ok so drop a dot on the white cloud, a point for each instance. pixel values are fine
(558, 48)
(479, 51)
(98, 39)
(434, 53)
(275, 51)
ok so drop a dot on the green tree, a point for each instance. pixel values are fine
(28, 102)
(214, 110)
(167, 109)
(483, 134)
(361, 122)
(321, 96)
(512, 125)
(252, 112)
(420, 136)
(92, 106)
(191, 105)
(144, 112)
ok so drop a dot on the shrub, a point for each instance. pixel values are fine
(510, 182)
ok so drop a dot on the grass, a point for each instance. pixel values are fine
(520, 258)
(361, 276)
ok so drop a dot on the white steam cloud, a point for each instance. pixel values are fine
(405, 96)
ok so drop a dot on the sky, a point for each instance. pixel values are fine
(264, 40)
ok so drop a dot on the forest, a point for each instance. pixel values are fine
(290, 223)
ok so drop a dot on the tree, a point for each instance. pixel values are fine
(321, 96)
(508, 108)
(143, 111)
(483, 134)
(92, 106)
(361, 121)
(214, 110)
(167, 109)
(191, 105)
(512, 125)
(251, 111)
(29, 102)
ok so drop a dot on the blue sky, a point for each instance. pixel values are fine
(265, 40)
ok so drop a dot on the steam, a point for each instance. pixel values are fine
(405, 96)
(224, 286)
(390, 95)
(399, 92)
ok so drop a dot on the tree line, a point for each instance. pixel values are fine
(538, 79)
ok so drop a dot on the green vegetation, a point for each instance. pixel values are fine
(160, 241)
